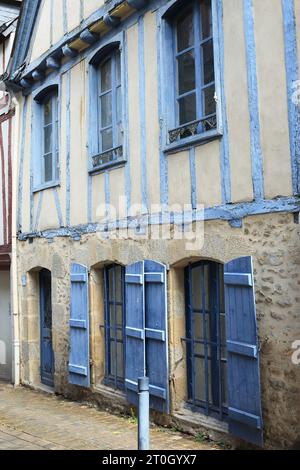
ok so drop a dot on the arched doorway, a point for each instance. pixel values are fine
(206, 337)
(47, 356)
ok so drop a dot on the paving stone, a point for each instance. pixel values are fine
(35, 420)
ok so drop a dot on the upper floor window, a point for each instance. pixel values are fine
(190, 30)
(110, 106)
(106, 131)
(45, 128)
(50, 138)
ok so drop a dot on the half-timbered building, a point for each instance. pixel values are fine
(158, 201)
(9, 11)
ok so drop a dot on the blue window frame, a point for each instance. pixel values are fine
(110, 105)
(50, 142)
(45, 137)
(190, 63)
(206, 338)
(114, 325)
(107, 108)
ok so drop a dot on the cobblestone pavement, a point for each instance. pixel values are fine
(37, 421)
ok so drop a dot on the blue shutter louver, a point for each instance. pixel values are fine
(134, 329)
(244, 398)
(146, 332)
(79, 367)
(156, 338)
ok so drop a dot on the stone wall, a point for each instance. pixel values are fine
(272, 240)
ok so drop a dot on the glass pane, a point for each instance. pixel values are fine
(119, 134)
(118, 271)
(206, 286)
(106, 110)
(48, 168)
(198, 326)
(185, 31)
(208, 62)
(107, 139)
(56, 135)
(119, 333)
(120, 362)
(112, 320)
(206, 18)
(48, 112)
(186, 72)
(110, 284)
(112, 358)
(48, 139)
(199, 379)
(196, 288)
(199, 348)
(208, 327)
(105, 72)
(221, 276)
(209, 101)
(119, 315)
(119, 104)
(187, 109)
(47, 304)
(56, 166)
(118, 68)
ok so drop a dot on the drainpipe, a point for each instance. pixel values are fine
(14, 266)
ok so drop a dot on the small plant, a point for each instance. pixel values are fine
(223, 445)
(201, 437)
(174, 429)
(132, 418)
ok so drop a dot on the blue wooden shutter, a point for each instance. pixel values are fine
(156, 338)
(244, 398)
(79, 367)
(146, 332)
(134, 329)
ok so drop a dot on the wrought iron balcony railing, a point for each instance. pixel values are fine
(193, 128)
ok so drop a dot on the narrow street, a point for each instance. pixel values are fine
(31, 420)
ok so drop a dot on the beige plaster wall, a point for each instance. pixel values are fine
(134, 114)
(236, 90)
(272, 240)
(208, 163)
(41, 38)
(78, 150)
(272, 105)
(273, 99)
(89, 6)
(152, 121)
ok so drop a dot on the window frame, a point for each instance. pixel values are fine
(213, 374)
(168, 74)
(113, 91)
(117, 155)
(53, 96)
(110, 379)
(39, 98)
